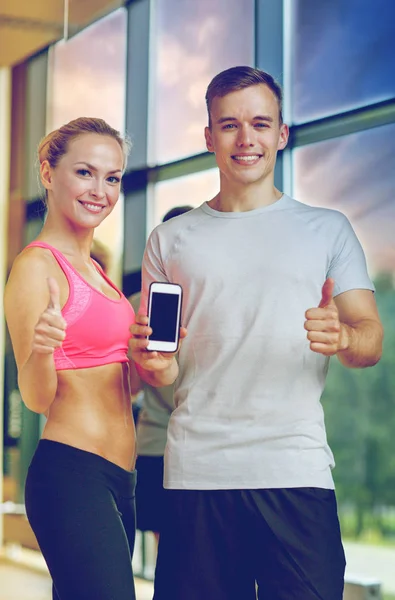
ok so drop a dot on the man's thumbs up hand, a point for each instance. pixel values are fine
(323, 323)
(327, 294)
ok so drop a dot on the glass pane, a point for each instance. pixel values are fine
(356, 175)
(88, 74)
(88, 78)
(190, 189)
(350, 175)
(195, 41)
(34, 124)
(343, 55)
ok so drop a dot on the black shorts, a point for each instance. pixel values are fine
(226, 544)
(149, 493)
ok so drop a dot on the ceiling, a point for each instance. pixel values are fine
(27, 26)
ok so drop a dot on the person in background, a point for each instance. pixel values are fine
(69, 326)
(101, 254)
(156, 408)
(272, 288)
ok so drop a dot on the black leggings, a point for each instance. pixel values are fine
(81, 509)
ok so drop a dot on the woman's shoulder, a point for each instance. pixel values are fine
(36, 257)
(30, 269)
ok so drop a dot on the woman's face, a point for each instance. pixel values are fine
(84, 186)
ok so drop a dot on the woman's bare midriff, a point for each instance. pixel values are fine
(92, 411)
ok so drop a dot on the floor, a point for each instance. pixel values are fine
(32, 582)
(18, 582)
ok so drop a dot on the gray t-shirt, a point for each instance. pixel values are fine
(157, 406)
(248, 411)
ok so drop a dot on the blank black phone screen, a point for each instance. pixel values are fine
(163, 317)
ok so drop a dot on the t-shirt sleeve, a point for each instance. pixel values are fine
(152, 268)
(348, 264)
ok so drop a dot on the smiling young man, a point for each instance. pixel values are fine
(272, 289)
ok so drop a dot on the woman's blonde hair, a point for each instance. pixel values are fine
(55, 144)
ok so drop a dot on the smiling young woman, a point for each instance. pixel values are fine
(69, 326)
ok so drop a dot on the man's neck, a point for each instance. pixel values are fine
(244, 198)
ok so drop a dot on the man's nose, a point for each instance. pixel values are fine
(245, 137)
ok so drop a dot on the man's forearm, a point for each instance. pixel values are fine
(159, 378)
(362, 343)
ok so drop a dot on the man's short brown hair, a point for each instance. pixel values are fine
(238, 78)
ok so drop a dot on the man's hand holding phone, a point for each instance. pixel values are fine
(160, 368)
(156, 337)
(151, 360)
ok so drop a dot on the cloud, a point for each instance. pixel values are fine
(350, 174)
(94, 86)
(175, 63)
(191, 50)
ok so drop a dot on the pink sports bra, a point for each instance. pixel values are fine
(97, 330)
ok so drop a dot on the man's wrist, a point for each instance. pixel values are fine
(345, 337)
(159, 377)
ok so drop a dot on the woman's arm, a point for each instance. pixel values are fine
(36, 326)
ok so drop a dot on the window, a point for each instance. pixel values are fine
(88, 78)
(88, 74)
(344, 55)
(355, 174)
(191, 189)
(195, 41)
(350, 174)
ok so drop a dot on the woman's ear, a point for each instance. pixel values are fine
(46, 174)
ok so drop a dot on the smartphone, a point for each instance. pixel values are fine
(164, 314)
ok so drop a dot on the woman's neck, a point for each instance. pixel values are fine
(72, 243)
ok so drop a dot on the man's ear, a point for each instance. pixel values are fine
(209, 141)
(284, 135)
(46, 175)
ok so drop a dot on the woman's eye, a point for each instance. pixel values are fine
(113, 179)
(83, 172)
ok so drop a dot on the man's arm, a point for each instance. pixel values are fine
(161, 378)
(361, 329)
(136, 384)
(347, 325)
(155, 368)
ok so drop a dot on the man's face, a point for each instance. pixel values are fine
(246, 134)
